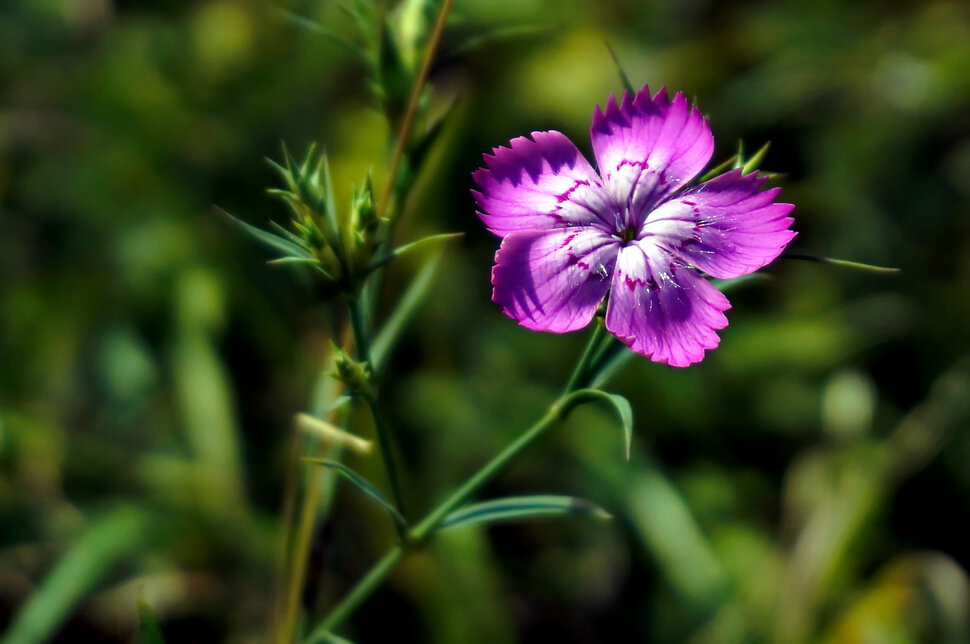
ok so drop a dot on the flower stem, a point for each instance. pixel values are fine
(581, 372)
(421, 532)
(384, 441)
(358, 322)
(362, 342)
(418, 535)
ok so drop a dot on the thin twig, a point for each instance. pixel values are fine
(405, 133)
(290, 493)
(296, 577)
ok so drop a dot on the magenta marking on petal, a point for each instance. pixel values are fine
(648, 147)
(565, 196)
(547, 283)
(726, 227)
(569, 232)
(638, 164)
(667, 312)
(567, 240)
(539, 184)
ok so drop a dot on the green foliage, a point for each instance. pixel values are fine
(624, 79)
(364, 486)
(405, 310)
(521, 508)
(149, 630)
(739, 160)
(289, 246)
(620, 404)
(118, 534)
(401, 250)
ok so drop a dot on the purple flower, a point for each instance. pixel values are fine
(571, 235)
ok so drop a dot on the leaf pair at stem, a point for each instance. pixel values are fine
(511, 508)
(505, 509)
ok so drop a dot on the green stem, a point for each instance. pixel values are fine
(360, 592)
(384, 441)
(358, 322)
(581, 372)
(609, 345)
(362, 342)
(420, 533)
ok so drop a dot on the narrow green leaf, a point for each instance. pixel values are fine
(339, 402)
(521, 508)
(845, 263)
(283, 232)
(420, 149)
(733, 283)
(739, 157)
(203, 394)
(331, 638)
(406, 248)
(288, 160)
(393, 75)
(280, 170)
(284, 171)
(307, 261)
(405, 309)
(314, 26)
(149, 630)
(269, 239)
(302, 261)
(363, 485)
(668, 529)
(311, 152)
(287, 172)
(103, 543)
(619, 403)
(293, 202)
(619, 69)
(331, 222)
(721, 168)
(361, 12)
(472, 43)
(752, 164)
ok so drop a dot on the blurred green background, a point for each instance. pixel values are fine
(808, 481)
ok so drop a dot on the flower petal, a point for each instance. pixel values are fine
(539, 184)
(646, 148)
(553, 280)
(663, 309)
(726, 227)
